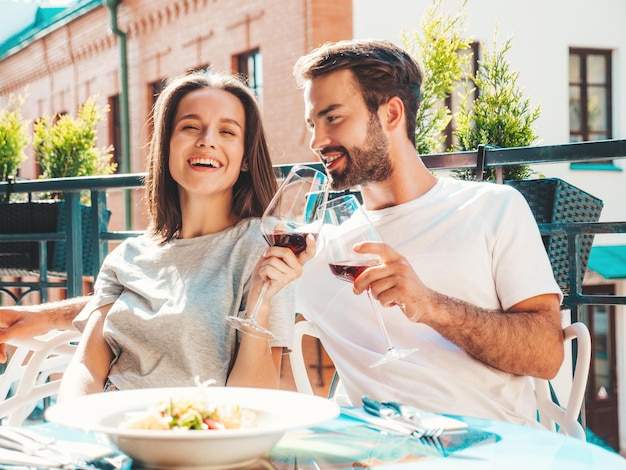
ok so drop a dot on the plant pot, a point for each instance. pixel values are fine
(18, 258)
(553, 200)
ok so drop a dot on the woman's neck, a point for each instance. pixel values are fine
(203, 216)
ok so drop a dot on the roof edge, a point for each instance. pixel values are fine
(33, 33)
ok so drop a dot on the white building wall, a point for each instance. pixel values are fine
(542, 31)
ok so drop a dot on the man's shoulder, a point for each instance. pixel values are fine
(476, 190)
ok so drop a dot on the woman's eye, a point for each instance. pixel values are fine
(228, 132)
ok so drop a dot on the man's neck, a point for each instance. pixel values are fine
(410, 180)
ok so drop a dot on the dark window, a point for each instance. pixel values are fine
(202, 68)
(250, 65)
(115, 130)
(453, 101)
(590, 95)
(156, 88)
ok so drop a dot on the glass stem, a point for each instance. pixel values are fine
(259, 302)
(379, 317)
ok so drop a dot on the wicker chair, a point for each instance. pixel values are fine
(553, 200)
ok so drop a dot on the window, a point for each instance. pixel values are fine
(590, 111)
(250, 65)
(206, 68)
(155, 90)
(453, 101)
(115, 130)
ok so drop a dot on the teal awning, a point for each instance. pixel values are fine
(608, 261)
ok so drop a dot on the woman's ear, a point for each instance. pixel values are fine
(244, 166)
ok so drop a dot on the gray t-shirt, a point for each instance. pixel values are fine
(169, 300)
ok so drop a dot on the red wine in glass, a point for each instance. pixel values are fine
(290, 216)
(350, 270)
(295, 241)
(345, 224)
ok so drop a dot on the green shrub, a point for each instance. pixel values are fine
(438, 47)
(500, 116)
(13, 137)
(67, 146)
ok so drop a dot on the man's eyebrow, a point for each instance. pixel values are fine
(325, 111)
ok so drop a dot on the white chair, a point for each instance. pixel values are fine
(565, 419)
(296, 357)
(33, 372)
(551, 415)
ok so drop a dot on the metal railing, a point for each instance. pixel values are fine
(484, 157)
(71, 189)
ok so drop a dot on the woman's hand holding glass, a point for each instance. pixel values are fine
(291, 218)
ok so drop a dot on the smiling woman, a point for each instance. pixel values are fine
(210, 177)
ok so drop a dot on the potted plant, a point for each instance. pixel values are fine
(14, 138)
(66, 146)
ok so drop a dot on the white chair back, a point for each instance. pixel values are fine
(564, 419)
(33, 372)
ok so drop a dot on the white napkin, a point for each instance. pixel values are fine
(434, 420)
(427, 420)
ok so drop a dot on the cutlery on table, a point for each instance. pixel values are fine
(401, 414)
(30, 448)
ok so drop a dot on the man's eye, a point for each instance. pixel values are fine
(332, 118)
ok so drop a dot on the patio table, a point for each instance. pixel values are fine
(345, 443)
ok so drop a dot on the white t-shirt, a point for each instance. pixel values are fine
(477, 242)
(167, 323)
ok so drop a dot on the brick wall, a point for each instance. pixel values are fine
(165, 38)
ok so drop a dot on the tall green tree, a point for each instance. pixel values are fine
(500, 116)
(438, 47)
(493, 110)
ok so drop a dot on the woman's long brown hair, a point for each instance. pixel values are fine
(253, 189)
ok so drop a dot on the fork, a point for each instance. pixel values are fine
(414, 416)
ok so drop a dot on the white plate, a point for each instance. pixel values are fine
(277, 410)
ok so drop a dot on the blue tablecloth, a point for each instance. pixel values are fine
(346, 443)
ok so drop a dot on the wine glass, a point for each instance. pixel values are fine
(291, 215)
(346, 224)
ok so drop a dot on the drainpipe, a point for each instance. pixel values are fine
(124, 112)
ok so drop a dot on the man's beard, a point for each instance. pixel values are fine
(368, 163)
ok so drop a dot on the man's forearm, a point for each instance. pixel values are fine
(59, 315)
(527, 340)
